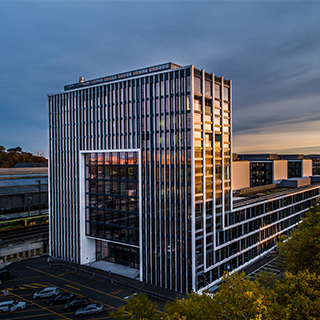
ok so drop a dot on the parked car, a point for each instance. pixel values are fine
(61, 298)
(46, 293)
(4, 305)
(93, 308)
(76, 304)
(18, 305)
(12, 305)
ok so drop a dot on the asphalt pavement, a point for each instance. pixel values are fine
(30, 275)
(110, 290)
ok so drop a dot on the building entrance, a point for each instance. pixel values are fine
(117, 253)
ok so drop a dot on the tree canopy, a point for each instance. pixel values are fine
(301, 250)
(12, 156)
(138, 307)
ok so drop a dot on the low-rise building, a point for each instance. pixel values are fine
(23, 189)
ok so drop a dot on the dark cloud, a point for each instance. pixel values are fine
(269, 49)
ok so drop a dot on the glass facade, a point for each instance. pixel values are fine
(212, 150)
(294, 169)
(261, 173)
(253, 229)
(112, 197)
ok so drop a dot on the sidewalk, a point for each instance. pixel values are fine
(120, 280)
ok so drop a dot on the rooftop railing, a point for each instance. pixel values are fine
(160, 67)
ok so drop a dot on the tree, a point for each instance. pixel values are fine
(193, 307)
(240, 298)
(301, 251)
(15, 150)
(295, 297)
(138, 307)
(13, 156)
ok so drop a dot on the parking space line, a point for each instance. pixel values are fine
(79, 284)
(32, 316)
(31, 286)
(28, 286)
(68, 285)
(41, 307)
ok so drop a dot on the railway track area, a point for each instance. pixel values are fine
(28, 233)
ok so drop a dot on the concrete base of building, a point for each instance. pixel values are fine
(118, 269)
(21, 251)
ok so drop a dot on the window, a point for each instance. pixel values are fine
(208, 88)
(197, 85)
(217, 93)
(226, 93)
(197, 104)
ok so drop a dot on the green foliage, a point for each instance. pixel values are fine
(301, 251)
(138, 307)
(193, 307)
(240, 298)
(295, 297)
(13, 156)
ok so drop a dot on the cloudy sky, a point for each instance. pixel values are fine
(270, 50)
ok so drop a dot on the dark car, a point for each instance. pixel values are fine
(61, 298)
(76, 303)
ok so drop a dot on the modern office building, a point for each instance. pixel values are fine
(140, 167)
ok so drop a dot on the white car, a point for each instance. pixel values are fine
(18, 305)
(12, 305)
(46, 293)
(4, 305)
(89, 309)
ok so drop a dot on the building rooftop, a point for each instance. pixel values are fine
(82, 83)
(31, 165)
(267, 156)
(257, 195)
(22, 172)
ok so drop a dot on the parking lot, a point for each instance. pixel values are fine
(26, 277)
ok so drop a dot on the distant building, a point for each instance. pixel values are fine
(140, 176)
(20, 187)
(31, 165)
(315, 163)
(266, 169)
